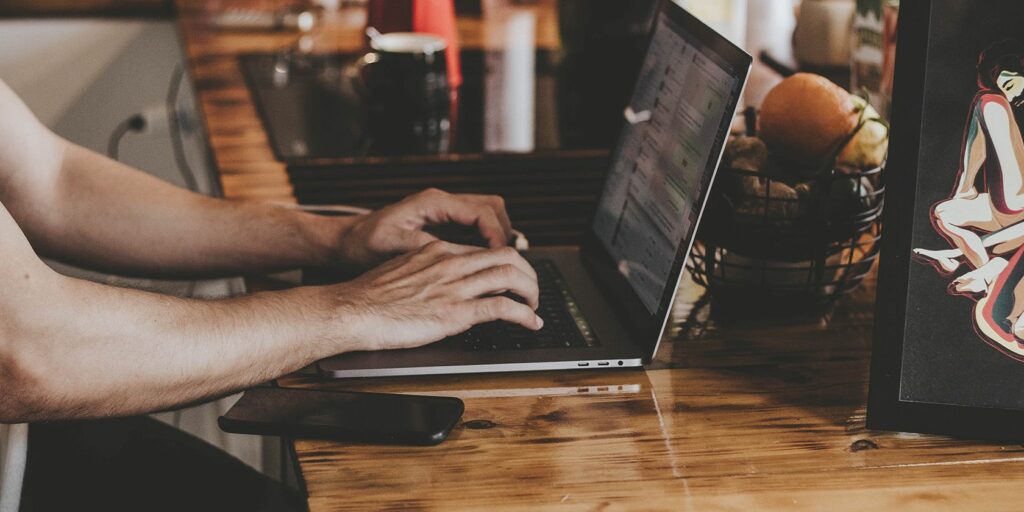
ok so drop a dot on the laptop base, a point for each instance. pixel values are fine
(615, 350)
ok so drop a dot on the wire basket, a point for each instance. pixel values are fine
(768, 246)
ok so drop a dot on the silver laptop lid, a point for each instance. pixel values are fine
(663, 167)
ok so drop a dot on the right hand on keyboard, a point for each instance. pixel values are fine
(438, 291)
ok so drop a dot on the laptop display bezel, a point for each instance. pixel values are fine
(649, 327)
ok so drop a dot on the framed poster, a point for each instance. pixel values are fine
(949, 336)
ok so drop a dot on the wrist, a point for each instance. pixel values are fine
(341, 319)
(327, 239)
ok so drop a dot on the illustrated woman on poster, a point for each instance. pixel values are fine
(984, 217)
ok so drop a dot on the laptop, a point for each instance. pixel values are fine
(606, 303)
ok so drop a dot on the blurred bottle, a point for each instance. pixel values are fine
(874, 51)
(822, 35)
(510, 82)
(429, 16)
(892, 14)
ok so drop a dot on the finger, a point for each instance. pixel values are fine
(441, 207)
(498, 280)
(497, 205)
(409, 267)
(435, 252)
(399, 261)
(443, 248)
(491, 227)
(472, 262)
(503, 308)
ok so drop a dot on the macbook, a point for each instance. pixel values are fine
(606, 303)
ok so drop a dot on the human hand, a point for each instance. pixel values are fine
(434, 292)
(397, 229)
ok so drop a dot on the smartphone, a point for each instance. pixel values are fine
(372, 418)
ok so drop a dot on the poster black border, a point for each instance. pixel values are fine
(885, 410)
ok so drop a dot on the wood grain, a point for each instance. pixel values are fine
(78, 8)
(728, 418)
(238, 143)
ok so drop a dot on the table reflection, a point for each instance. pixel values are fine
(576, 417)
(539, 76)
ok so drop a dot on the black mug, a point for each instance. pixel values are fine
(407, 95)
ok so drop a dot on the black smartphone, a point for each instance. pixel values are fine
(373, 418)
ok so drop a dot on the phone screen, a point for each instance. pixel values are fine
(345, 416)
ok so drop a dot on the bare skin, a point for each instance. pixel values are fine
(1001, 242)
(75, 349)
(968, 212)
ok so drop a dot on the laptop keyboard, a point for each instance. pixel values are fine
(564, 326)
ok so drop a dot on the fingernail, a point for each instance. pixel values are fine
(540, 322)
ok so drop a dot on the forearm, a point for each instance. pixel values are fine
(973, 158)
(968, 174)
(87, 350)
(71, 348)
(107, 216)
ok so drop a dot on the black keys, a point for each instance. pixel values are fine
(564, 326)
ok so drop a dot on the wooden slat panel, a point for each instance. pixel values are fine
(78, 8)
(549, 198)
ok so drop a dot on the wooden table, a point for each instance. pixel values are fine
(727, 418)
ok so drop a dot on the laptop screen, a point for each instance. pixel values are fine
(662, 168)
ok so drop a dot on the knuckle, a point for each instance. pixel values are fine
(506, 272)
(503, 306)
(486, 309)
(436, 246)
(434, 192)
(509, 253)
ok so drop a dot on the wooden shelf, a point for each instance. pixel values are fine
(87, 8)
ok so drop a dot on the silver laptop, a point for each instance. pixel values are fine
(606, 303)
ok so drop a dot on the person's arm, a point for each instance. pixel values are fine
(83, 208)
(973, 158)
(71, 348)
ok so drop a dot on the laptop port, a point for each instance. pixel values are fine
(582, 364)
(603, 363)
